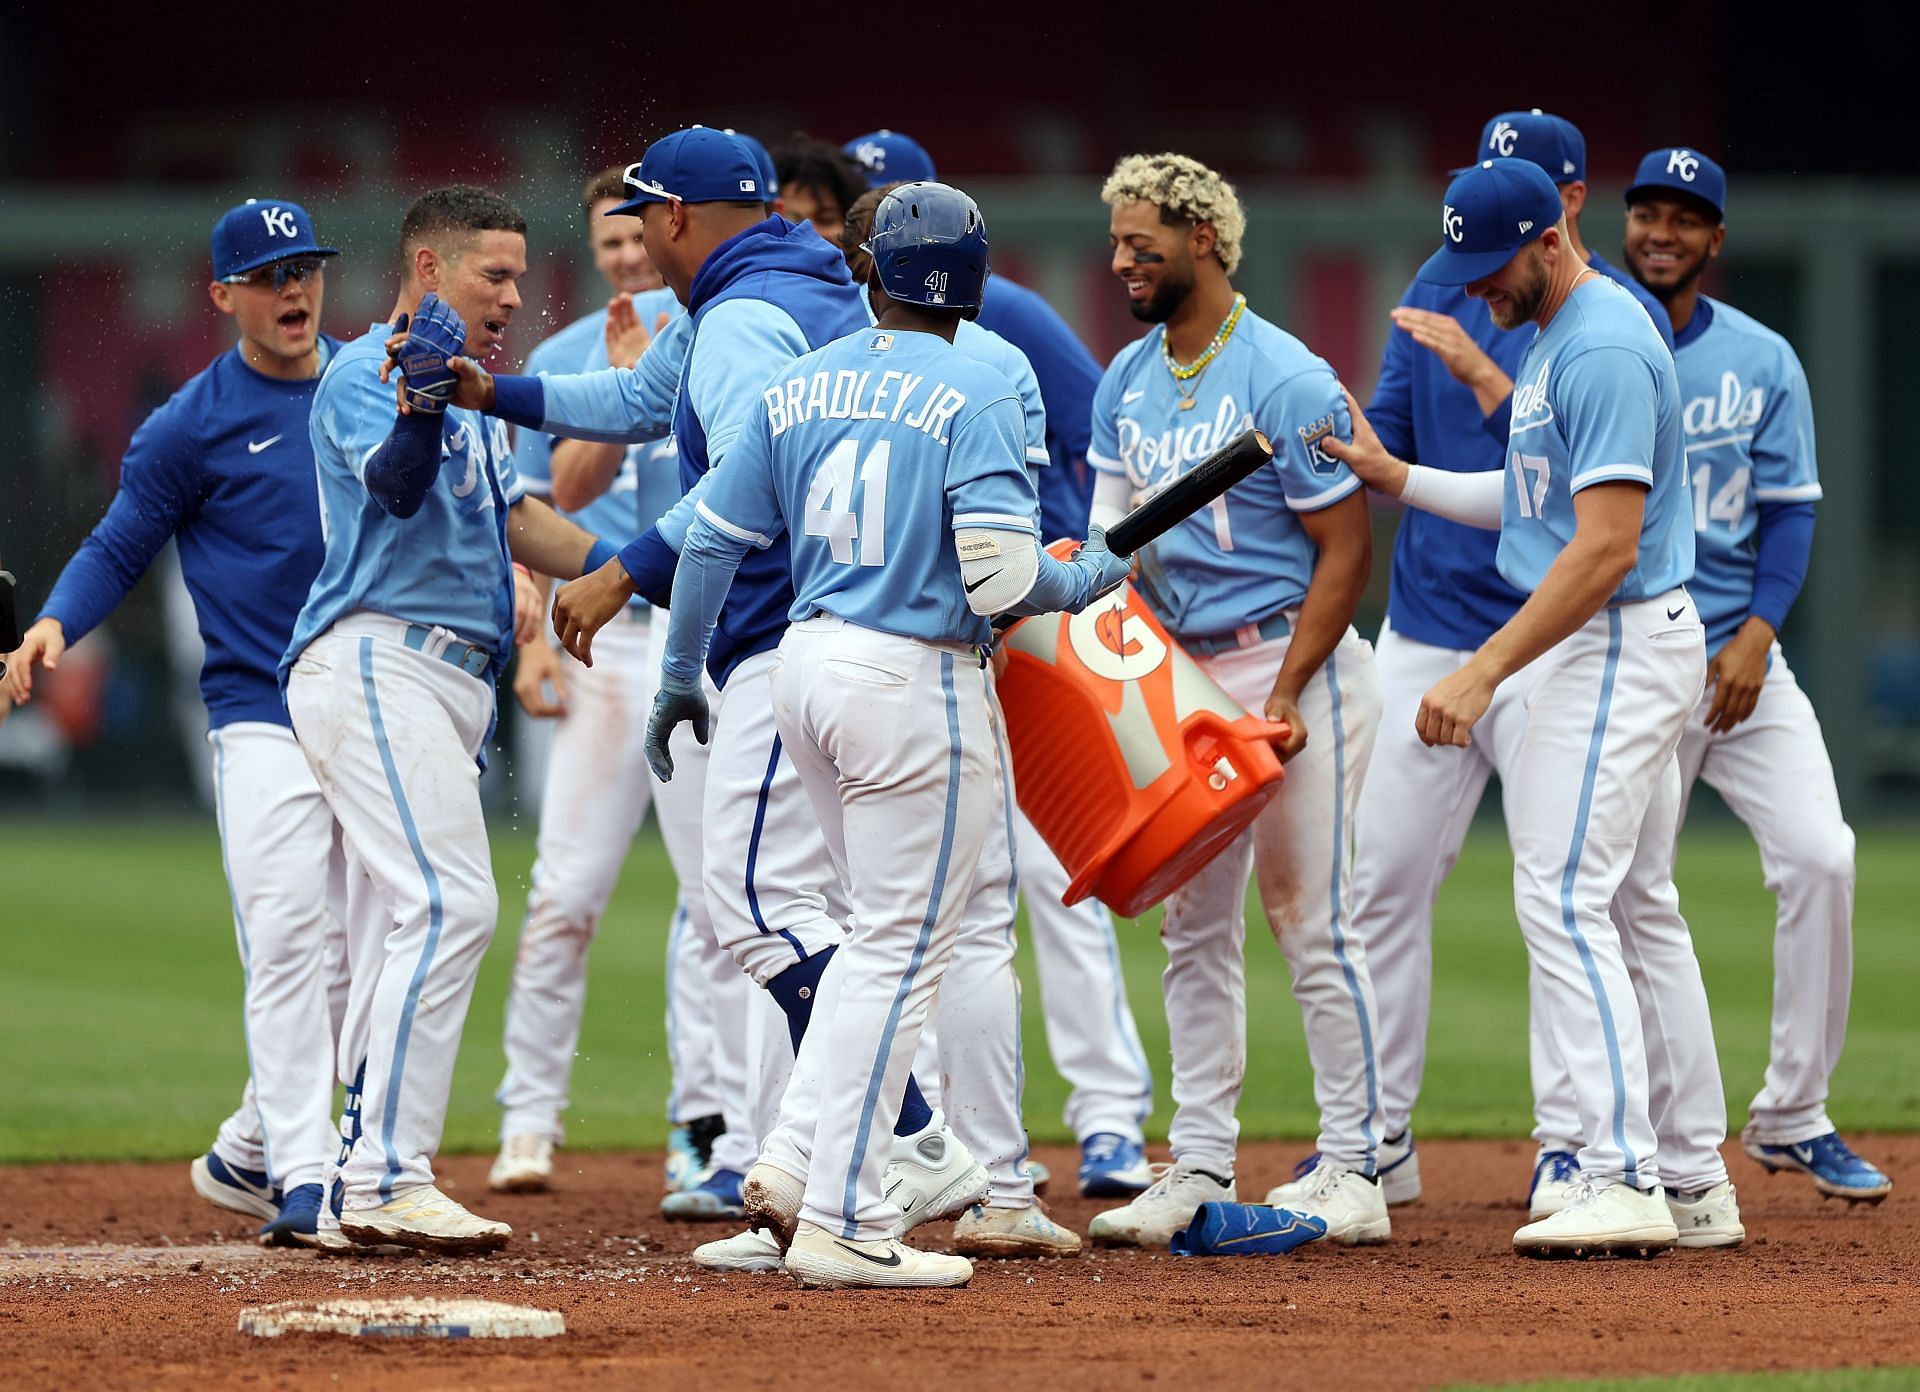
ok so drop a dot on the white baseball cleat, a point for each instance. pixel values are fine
(751, 1250)
(1396, 1166)
(233, 1188)
(932, 1175)
(1711, 1218)
(1556, 1177)
(1353, 1207)
(1012, 1232)
(424, 1217)
(1164, 1209)
(818, 1258)
(771, 1198)
(524, 1167)
(1605, 1219)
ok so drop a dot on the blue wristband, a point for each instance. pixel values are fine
(598, 555)
(522, 401)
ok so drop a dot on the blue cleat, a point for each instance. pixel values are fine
(1113, 1167)
(716, 1199)
(1556, 1177)
(297, 1221)
(230, 1187)
(690, 1151)
(1244, 1230)
(1835, 1170)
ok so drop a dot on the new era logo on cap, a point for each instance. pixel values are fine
(695, 165)
(1491, 211)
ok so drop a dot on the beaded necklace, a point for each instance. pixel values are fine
(1191, 372)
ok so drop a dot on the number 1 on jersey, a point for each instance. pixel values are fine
(1539, 466)
(830, 512)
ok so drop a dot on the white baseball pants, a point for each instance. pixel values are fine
(286, 870)
(1592, 815)
(1300, 846)
(393, 736)
(892, 742)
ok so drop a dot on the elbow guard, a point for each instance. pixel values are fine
(997, 567)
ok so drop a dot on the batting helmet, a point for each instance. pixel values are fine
(929, 245)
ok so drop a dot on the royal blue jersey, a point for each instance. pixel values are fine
(1067, 374)
(867, 456)
(1748, 421)
(648, 482)
(448, 564)
(1596, 401)
(1246, 557)
(1657, 312)
(225, 466)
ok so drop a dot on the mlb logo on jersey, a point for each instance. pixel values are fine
(882, 342)
(1311, 435)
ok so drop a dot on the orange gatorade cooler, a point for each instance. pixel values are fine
(1132, 763)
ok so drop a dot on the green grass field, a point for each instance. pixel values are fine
(120, 988)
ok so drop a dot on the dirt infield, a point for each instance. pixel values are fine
(117, 1276)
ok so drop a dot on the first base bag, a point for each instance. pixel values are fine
(1131, 762)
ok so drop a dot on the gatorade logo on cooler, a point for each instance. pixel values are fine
(1114, 644)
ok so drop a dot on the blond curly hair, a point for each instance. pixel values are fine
(1182, 188)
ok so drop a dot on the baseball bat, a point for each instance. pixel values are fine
(1238, 459)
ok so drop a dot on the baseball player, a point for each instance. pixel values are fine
(817, 184)
(583, 842)
(1754, 736)
(758, 294)
(869, 454)
(1260, 588)
(1442, 401)
(1091, 1033)
(1608, 656)
(389, 680)
(225, 467)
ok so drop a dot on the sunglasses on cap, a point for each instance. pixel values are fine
(301, 269)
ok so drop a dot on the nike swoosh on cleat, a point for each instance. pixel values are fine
(255, 446)
(891, 1259)
(978, 583)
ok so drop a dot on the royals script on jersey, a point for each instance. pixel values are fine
(1246, 557)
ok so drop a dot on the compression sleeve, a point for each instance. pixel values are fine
(1783, 542)
(997, 567)
(700, 585)
(1473, 499)
(1111, 494)
(399, 473)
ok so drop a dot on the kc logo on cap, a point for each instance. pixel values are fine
(1452, 223)
(1490, 212)
(1684, 170)
(1684, 163)
(1502, 138)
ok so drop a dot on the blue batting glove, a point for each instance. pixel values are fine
(677, 700)
(436, 334)
(1106, 571)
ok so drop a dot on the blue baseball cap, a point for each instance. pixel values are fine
(769, 178)
(1491, 211)
(1552, 142)
(1684, 170)
(888, 157)
(259, 232)
(696, 165)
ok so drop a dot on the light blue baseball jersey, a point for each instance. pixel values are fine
(869, 454)
(1596, 400)
(616, 406)
(448, 564)
(1748, 420)
(649, 479)
(1245, 558)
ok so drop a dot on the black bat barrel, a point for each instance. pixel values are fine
(1239, 458)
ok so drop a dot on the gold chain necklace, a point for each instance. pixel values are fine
(1191, 372)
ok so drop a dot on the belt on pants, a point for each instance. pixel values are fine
(470, 658)
(1246, 636)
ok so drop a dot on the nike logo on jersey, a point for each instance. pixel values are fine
(1676, 613)
(255, 446)
(892, 1258)
(978, 583)
(1127, 398)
